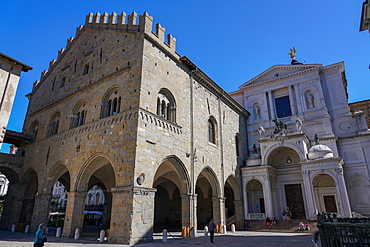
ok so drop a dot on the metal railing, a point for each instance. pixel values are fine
(343, 232)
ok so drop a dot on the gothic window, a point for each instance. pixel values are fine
(78, 117)
(111, 104)
(33, 130)
(212, 130)
(166, 105)
(283, 107)
(54, 124)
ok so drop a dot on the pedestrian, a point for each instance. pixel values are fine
(283, 215)
(288, 214)
(267, 221)
(211, 228)
(40, 237)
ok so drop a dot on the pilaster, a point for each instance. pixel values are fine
(132, 216)
(239, 214)
(245, 201)
(40, 210)
(219, 210)
(267, 195)
(344, 206)
(74, 213)
(309, 195)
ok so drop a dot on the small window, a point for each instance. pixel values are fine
(52, 87)
(86, 69)
(283, 107)
(211, 132)
(63, 82)
(237, 145)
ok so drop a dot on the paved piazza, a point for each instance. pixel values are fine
(241, 238)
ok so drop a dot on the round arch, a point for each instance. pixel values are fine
(255, 197)
(325, 193)
(359, 195)
(278, 151)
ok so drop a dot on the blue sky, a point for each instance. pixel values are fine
(232, 41)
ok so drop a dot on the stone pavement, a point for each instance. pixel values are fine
(240, 238)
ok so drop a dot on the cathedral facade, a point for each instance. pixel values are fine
(309, 152)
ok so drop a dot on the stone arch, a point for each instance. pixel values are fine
(255, 198)
(98, 169)
(12, 175)
(233, 202)
(210, 204)
(276, 152)
(29, 188)
(234, 186)
(208, 173)
(358, 187)
(10, 213)
(96, 163)
(172, 182)
(57, 171)
(325, 192)
(178, 168)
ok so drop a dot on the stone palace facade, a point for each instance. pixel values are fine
(120, 109)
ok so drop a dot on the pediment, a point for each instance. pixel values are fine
(278, 71)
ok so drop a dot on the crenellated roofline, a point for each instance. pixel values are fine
(121, 22)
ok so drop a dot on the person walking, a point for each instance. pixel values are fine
(40, 236)
(211, 228)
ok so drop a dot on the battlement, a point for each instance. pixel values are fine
(130, 23)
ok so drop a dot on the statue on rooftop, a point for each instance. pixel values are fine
(292, 56)
(292, 53)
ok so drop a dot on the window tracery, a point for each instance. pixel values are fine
(111, 104)
(166, 105)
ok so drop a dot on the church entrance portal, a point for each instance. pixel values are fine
(294, 200)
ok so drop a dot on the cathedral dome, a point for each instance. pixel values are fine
(320, 151)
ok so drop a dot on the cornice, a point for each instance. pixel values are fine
(307, 68)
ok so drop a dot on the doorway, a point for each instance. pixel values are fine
(294, 200)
